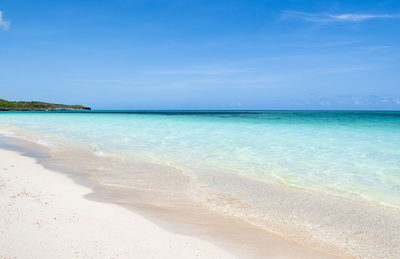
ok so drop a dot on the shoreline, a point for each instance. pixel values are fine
(257, 243)
(44, 215)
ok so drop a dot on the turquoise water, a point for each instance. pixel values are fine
(345, 153)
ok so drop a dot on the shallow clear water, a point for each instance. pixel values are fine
(352, 154)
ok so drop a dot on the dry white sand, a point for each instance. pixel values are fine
(43, 215)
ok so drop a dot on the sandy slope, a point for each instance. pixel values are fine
(43, 215)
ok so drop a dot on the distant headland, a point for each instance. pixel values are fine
(38, 106)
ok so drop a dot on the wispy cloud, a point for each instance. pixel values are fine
(339, 70)
(109, 81)
(4, 25)
(328, 17)
(377, 48)
(338, 44)
(348, 101)
(208, 71)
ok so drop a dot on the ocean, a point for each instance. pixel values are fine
(232, 159)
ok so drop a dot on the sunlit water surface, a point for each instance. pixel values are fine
(350, 154)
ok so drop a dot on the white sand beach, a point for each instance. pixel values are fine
(43, 215)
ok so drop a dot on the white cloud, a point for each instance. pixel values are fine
(338, 70)
(371, 101)
(207, 71)
(338, 44)
(377, 48)
(4, 25)
(327, 17)
(109, 81)
(352, 17)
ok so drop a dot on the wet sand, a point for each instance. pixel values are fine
(46, 214)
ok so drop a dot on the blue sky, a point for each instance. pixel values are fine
(176, 54)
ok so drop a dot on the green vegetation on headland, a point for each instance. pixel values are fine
(38, 106)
